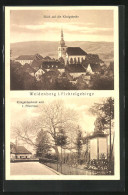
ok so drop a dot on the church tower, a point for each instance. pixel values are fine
(62, 47)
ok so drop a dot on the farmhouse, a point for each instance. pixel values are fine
(19, 152)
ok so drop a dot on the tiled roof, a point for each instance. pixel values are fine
(19, 150)
(36, 64)
(75, 51)
(52, 65)
(75, 68)
(28, 68)
(25, 57)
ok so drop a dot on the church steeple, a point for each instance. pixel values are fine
(61, 33)
(62, 42)
(62, 47)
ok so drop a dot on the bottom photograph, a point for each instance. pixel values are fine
(67, 136)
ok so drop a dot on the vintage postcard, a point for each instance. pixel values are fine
(62, 93)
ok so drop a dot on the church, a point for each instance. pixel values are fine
(71, 55)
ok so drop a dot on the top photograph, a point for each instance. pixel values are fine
(62, 49)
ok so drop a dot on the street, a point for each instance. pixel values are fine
(30, 168)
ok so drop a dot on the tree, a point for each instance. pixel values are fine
(61, 60)
(71, 61)
(99, 124)
(67, 62)
(42, 144)
(54, 116)
(92, 59)
(26, 131)
(79, 143)
(99, 82)
(61, 140)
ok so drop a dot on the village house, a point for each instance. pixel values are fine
(92, 68)
(19, 152)
(75, 70)
(27, 59)
(53, 65)
(38, 74)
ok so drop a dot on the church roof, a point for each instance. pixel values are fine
(72, 51)
(75, 68)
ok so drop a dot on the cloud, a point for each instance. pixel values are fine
(91, 25)
(67, 27)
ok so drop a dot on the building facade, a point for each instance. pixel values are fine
(28, 59)
(19, 152)
(70, 54)
(62, 48)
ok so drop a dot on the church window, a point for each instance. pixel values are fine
(78, 60)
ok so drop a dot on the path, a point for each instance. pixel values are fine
(30, 168)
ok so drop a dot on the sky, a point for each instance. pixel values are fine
(45, 25)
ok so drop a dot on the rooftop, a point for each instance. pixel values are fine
(75, 68)
(75, 51)
(29, 57)
(19, 149)
(95, 135)
(94, 67)
(52, 64)
(28, 68)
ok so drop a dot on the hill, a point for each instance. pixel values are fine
(105, 50)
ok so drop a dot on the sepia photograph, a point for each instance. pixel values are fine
(67, 136)
(62, 49)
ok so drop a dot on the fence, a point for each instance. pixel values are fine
(69, 169)
(24, 160)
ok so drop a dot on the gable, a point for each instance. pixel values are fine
(19, 150)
